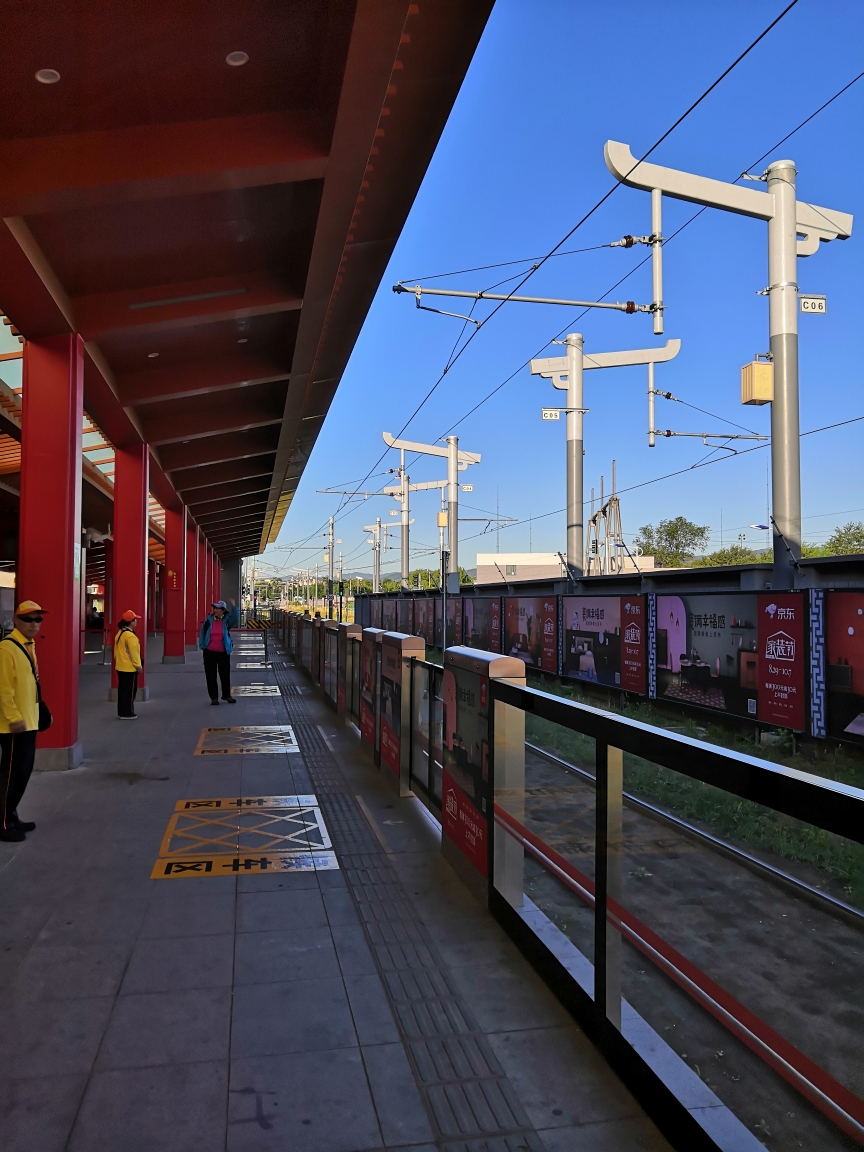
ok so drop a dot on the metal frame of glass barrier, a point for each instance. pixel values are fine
(680, 1103)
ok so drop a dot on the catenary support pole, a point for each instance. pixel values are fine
(404, 541)
(131, 516)
(453, 514)
(330, 541)
(783, 329)
(575, 423)
(49, 540)
(657, 258)
(174, 648)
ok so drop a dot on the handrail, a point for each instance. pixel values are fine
(826, 804)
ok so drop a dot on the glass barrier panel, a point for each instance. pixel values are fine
(753, 979)
(436, 732)
(544, 833)
(421, 705)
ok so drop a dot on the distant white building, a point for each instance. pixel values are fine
(502, 567)
(506, 567)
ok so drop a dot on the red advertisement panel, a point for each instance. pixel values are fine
(633, 643)
(463, 823)
(531, 630)
(367, 723)
(844, 670)
(781, 667)
(391, 705)
(495, 625)
(549, 656)
(389, 747)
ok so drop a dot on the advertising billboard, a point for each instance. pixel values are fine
(736, 652)
(481, 622)
(368, 659)
(391, 705)
(465, 776)
(605, 640)
(375, 613)
(421, 614)
(454, 621)
(844, 665)
(531, 630)
(388, 615)
(405, 617)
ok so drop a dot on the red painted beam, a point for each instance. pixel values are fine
(179, 420)
(205, 498)
(216, 449)
(191, 482)
(155, 161)
(197, 379)
(182, 305)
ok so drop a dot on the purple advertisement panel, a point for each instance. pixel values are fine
(388, 615)
(375, 614)
(405, 617)
(844, 665)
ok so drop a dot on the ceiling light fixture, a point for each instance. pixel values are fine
(235, 59)
(47, 75)
(243, 340)
(152, 355)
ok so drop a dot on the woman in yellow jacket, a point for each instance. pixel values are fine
(127, 665)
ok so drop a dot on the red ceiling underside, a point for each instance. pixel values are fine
(216, 234)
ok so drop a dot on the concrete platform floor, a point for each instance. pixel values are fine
(375, 1007)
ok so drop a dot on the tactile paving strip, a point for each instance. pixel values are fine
(469, 1100)
(253, 834)
(247, 740)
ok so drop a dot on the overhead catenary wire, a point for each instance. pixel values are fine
(647, 258)
(682, 472)
(457, 354)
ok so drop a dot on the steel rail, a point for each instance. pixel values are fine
(752, 863)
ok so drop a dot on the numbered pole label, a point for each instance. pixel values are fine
(813, 304)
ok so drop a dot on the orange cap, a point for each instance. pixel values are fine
(28, 606)
(130, 615)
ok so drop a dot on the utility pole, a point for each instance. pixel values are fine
(330, 559)
(456, 462)
(787, 218)
(375, 529)
(566, 372)
(405, 486)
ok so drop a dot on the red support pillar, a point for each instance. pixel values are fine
(152, 607)
(203, 605)
(174, 577)
(192, 617)
(49, 541)
(131, 530)
(217, 577)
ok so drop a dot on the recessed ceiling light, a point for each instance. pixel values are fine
(152, 355)
(235, 59)
(243, 340)
(47, 75)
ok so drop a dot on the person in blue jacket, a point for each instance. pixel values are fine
(214, 640)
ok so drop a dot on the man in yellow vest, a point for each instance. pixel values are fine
(19, 716)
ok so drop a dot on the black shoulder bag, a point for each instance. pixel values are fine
(45, 717)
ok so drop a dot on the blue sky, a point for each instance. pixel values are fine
(520, 161)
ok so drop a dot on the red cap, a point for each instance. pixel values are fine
(130, 615)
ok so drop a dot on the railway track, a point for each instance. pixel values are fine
(822, 900)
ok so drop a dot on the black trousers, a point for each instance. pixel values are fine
(127, 687)
(17, 754)
(217, 662)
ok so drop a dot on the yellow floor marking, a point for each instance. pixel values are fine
(247, 740)
(246, 831)
(233, 802)
(256, 865)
